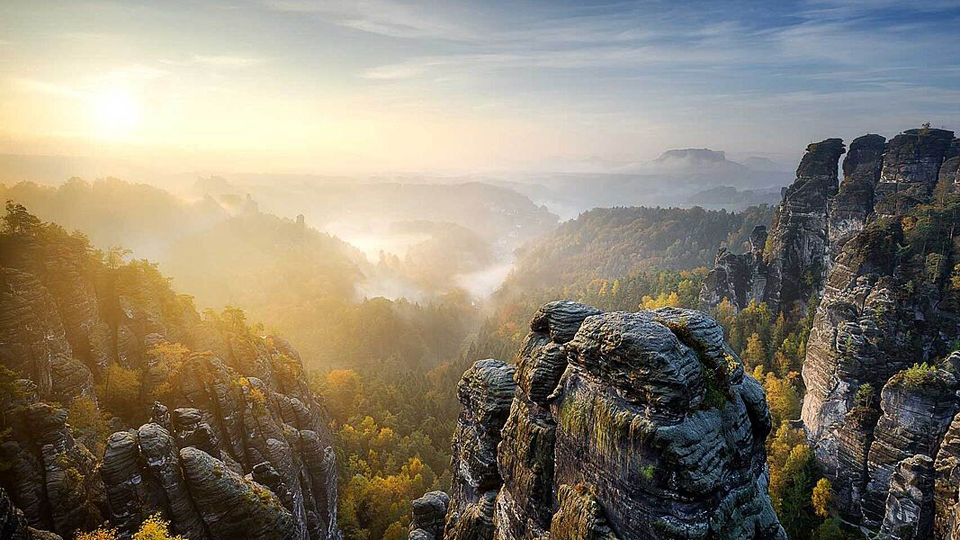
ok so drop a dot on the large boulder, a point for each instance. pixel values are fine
(622, 425)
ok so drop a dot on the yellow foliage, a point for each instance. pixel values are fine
(120, 389)
(662, 300)
(755, 355)
(822, 497)
(783, 398)
(257, 397)
(99, 534)
(88, 423)
(155, 528)
(785, 454)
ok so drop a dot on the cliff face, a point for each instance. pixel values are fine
(911, 168)
(853, 205)
(235, 446)
(740, 278)
(621, 425)
(875, 414)
(879, 252)
(791, 266)
(799, 239)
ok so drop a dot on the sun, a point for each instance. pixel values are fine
(116, 112)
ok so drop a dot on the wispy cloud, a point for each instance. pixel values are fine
(216, 61)
(41, 87)
(385, 17)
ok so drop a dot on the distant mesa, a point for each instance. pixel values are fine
(704, 155)
(697, 159)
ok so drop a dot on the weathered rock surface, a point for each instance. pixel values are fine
(579, 517)
(249, 434)
(633, 425)
(868, 332)
(947, 481)
(917, 411)
(52, 478)
(232, 506)
(785, 269)
(799, 238)
(853, 205)
(238, 398)
(429, 515)
(909, 505)
(874, 415)
(886, 303)
(740, 278)
(911, 168)
(485, 391)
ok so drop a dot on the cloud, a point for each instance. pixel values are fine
(216, 61)
(41, 87)
(390, 18)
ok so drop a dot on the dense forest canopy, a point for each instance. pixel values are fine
(390, 367)
(612, 242)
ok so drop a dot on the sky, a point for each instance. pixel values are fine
(371, 86)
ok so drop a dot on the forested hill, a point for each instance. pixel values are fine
(214, 427)
(612, 242)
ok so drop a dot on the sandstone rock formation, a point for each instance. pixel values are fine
(237, 445)
(429, 516)
(740, 278)
(853, 205)
(486, 392)
(911, 167)
(193, 474)
(622, 425)
(878, 252)
(792, 264)
(51, 478)
(799, 239)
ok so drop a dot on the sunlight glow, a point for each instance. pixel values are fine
(116, 112)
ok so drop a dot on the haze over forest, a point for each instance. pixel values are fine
(442, 270)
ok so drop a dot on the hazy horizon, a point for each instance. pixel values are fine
(390, 87)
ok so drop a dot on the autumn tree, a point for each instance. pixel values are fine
(120, 391)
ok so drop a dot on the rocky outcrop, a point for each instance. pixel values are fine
(622, 425)
(850, 209)
(909, 505)
(740, 278)
(526, 457)
(246, 432)
(429, 515)
(950, 170)
(799, 239)
(51, 477)
(917, 410)
(788, 267)
(947, 482)
(219, 395)
(911, 167)
(868, 333)
(485, 391)
(579, 516)
(877, 252)
(816, 217)
(871, 400)
(233, 506)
